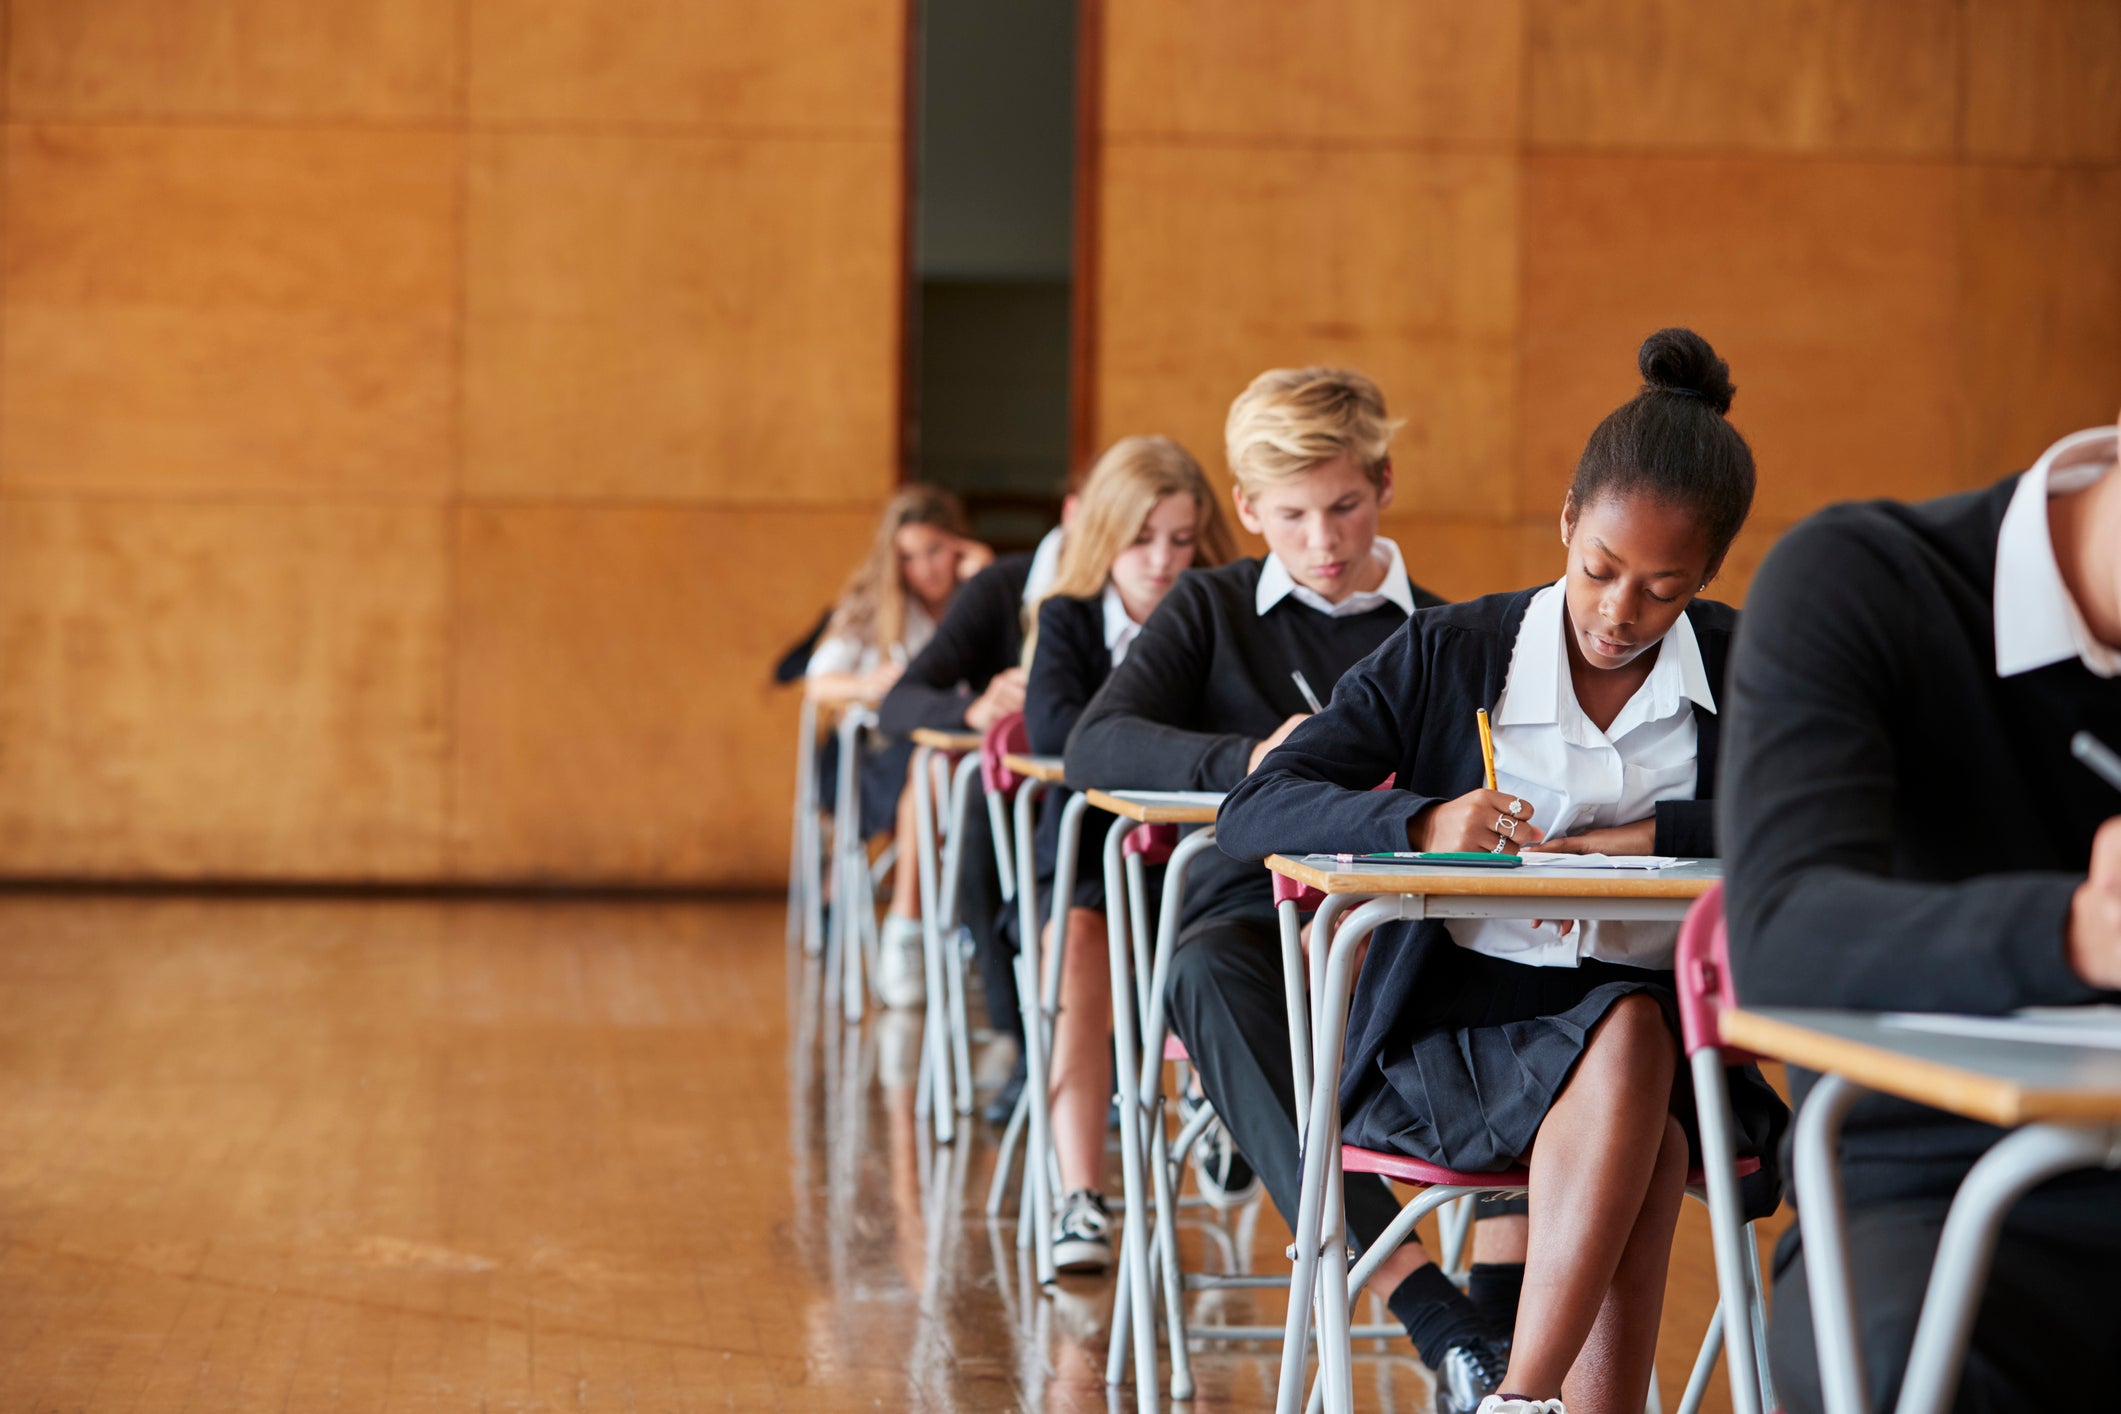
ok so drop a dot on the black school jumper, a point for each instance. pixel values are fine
(1906, 830)
(1070, 664)
(1206, 681)
(1453, 1056)
(982, 634)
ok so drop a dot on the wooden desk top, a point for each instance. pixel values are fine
(1331, 874)
(938, 740)
(1044, 769)
(1160, 807)
(2003, 1082)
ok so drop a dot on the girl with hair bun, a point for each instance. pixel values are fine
(1488, 1044)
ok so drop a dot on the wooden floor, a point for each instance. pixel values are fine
(409, 1155)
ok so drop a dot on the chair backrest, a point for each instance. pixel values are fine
(1007, 737)
(1153, 843)
(1288, 890)
(1703, 972)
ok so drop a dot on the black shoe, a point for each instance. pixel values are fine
(1223, 1176)
(1467, 1374)
(1003, 1105)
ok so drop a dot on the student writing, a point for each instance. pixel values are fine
(1482, 1044)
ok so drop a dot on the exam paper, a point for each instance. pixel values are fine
(1538, 859)
(2052, 1025)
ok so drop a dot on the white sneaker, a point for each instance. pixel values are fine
(1497, 1404)
(1082, 1235)
(901, 964)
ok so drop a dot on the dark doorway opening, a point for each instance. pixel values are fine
(993, 259)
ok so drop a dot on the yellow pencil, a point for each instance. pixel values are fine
(1487, 748)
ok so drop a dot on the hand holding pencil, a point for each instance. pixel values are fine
(1484, 819)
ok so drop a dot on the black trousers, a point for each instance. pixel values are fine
(979, 904)
(1225, 1001)
(2047, 1334)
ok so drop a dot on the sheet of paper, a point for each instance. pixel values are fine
(2051, 1025)
(1174, 797)
(1540, 859)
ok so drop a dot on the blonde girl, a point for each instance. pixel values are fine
(1145, 516)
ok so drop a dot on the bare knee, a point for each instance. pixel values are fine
(1633, 1033)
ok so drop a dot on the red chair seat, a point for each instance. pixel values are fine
(1406, 1170)
(1174, 1049)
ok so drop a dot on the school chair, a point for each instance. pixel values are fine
(1151, 1182)
(851, 940)
(1703, 971)
(946, 1055)
(1739, 1319)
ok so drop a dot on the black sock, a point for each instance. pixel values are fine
(1495, 1288)
(1437, 1314)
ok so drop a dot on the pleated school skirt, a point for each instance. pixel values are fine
(1483, 1049)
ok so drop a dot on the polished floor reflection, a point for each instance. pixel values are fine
(313, 1154)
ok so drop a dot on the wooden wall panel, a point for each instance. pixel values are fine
(277, 59)
(2043, 80)
(1830, 288)
(683, 318)
(1743, 75)
(615, 718)
(810, 66)
(1217, 263)
(332, 340)
(1358, 71)
(246, 310)
(2041, 321)
(228, 691)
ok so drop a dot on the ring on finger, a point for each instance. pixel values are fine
(1506, 827)
(1517, 807)
(1501, 845)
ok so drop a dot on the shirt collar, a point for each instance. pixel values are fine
(1045, 564)
(2037, 620)
(1532, 692)
(1120, 630)
(1277, 584)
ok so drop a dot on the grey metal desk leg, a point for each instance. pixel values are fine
(935, 1035)
(2001, 1177)
(813, 843)
(1151, 985)
(954, 976)
(1038, 1133)
(1826, 1245)
(853, 886)
(1728, 1232)
(1321, 1150)
(1135, 1245)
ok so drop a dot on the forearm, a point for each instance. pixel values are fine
(1117, 750)
(1831, 936)
(1279, 812)
(912, 704)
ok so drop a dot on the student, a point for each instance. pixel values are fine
(886, 615)
(969, 677)
(1908, 832)
(1208, 689)
(1145, 514)
(1484, 1044)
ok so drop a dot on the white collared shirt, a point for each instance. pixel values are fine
(1120, 630)
(2037, 620)
(1577, 778)
(1276, 584)
(1045, 564)
(843, 653)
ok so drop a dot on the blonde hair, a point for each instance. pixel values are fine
(1117, 498)
(872, 608)
(1291, 419)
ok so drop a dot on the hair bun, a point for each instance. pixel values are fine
(1681, 361)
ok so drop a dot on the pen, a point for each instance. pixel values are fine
(1487, 748)
(2097, 755)
(1310, 697)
